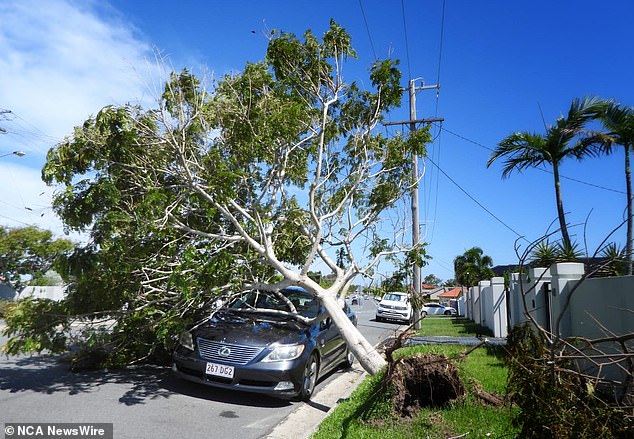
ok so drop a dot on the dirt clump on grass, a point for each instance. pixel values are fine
(423, 381)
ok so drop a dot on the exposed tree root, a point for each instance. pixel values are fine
(423, 381)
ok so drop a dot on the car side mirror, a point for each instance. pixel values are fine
(325, 324)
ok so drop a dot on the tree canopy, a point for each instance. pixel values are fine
(248, 182)
(472, 267)
(28, 253)
(566, 138)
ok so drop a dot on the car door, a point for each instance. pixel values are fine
(434, 309)
(329, 340)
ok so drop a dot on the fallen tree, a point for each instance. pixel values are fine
(249, 182)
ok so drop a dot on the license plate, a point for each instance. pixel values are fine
(219, 370)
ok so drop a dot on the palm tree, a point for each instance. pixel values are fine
(619, 122)
(524, 150)
(472, 267)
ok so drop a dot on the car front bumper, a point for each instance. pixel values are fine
(391, 314)
(281, 379)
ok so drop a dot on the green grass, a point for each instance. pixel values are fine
(451, 326)
(368, 413)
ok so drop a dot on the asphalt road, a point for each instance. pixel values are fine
(148, 402)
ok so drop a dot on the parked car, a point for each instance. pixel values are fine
(394, 306)
(256, 344)
(437, 309)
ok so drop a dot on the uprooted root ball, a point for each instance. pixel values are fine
(423, 381)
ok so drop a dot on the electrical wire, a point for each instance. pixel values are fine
(367, 28)
(440, 47)
(442, 128)
(409, 70)
(482, 206)
(440, 50)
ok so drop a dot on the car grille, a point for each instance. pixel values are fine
(232, 353)
(400, 308)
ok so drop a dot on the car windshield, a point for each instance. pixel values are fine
(306, 304)
(395, 297)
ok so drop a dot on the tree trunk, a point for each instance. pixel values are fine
(560, 207)
(369, 358)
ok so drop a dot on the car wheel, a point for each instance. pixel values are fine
(347, 362)
(423, 313)
(311, 371)
(378, 319)
(447, 313)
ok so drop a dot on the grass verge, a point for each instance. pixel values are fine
(368, 411)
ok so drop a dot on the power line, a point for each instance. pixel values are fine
(442, 128)
(367, 28)
(442, 33)
(15, 220)
(437, 137)
(476, 201)
(409, 71)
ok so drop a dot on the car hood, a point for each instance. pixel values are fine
(393, 303)
(251, 330)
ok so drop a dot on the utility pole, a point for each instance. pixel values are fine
(416, 275)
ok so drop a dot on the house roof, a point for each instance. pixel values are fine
(428, 287)
(453, 293)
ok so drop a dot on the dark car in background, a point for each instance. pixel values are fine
(256, 344)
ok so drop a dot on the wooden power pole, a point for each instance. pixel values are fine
(412, 122)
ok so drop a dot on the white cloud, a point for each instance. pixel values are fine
(28, 201)
(61, 62)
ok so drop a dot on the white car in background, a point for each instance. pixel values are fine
(394, 306)
(437, 309)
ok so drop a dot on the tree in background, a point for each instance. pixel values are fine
(525, 150)
(472, 267)
(431, 279)
(619, 123)
(29, 253)
(247, 184)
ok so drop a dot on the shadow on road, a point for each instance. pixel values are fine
(46, 374)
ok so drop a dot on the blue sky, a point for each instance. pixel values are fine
(504, 66)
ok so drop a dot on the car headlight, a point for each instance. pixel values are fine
(186, 340)
(284, 352)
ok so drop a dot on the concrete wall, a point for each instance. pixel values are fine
(485, 303)
(475, 304)
(498, 315)
(554, 298)
(543, 293)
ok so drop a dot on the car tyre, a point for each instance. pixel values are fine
(349, 360)
(447, 313)
(379, 319)
(311, 372)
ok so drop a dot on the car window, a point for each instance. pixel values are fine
(395, 297)
(305, 304)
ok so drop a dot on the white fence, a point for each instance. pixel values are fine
(598, 307)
